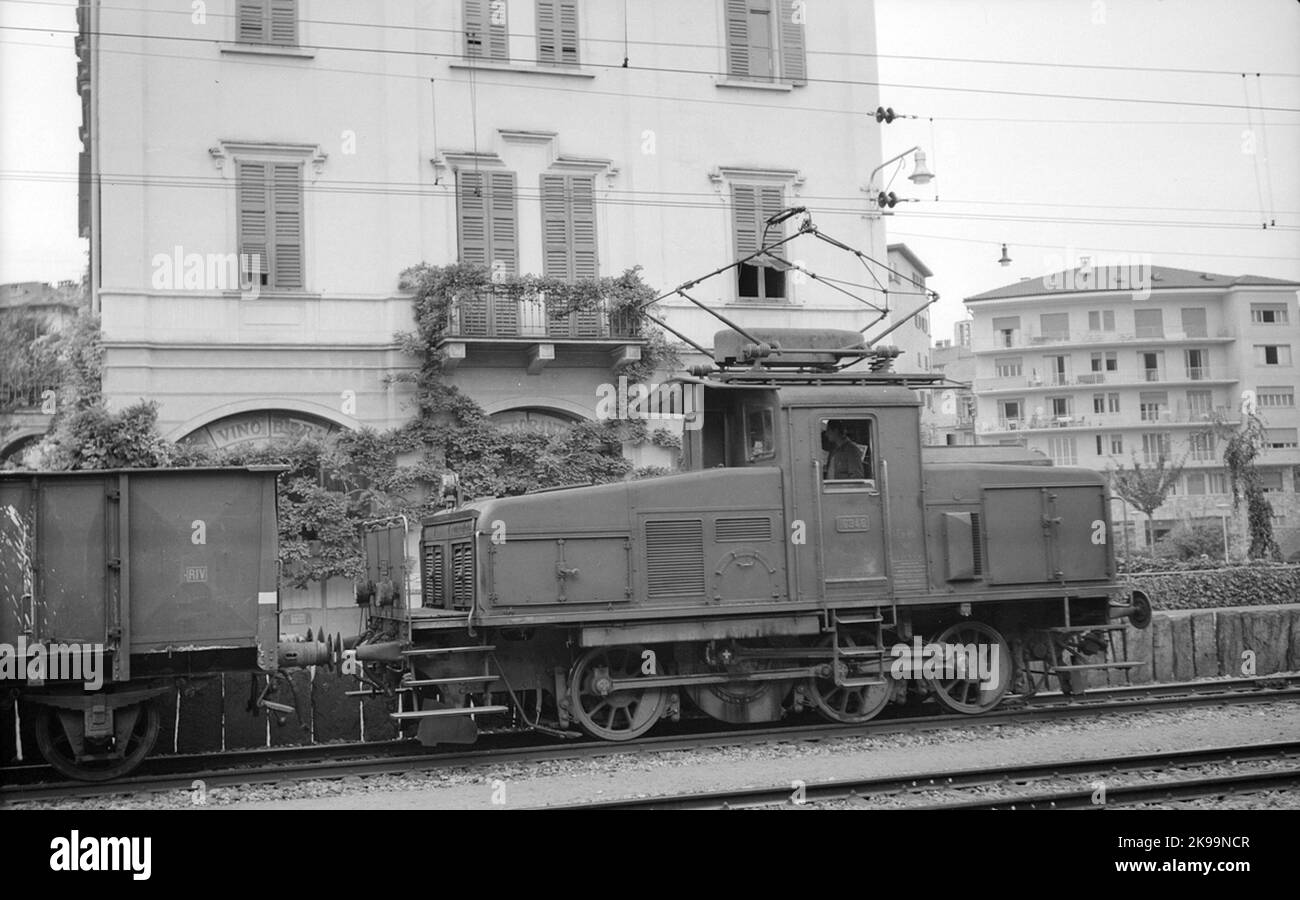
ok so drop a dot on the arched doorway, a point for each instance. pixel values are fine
(260, 428)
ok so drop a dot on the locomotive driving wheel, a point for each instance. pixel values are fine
(849, 704)
(978, 692)
(61, 738)
(605, 713)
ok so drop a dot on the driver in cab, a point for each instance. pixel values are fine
(844, 457)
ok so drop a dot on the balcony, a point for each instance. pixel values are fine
(500, 321)
(1028, 340)
(1111, 421)
(1167, 375)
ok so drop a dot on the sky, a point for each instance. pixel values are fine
(1188, 176)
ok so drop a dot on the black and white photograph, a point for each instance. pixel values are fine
(603, 406)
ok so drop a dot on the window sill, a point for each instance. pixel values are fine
(726, 81)
(494, 66)
(266, 50)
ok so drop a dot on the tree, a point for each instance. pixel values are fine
(1146, 487)
(1241, 447)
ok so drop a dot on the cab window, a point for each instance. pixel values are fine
(848, 447)
(760, 434)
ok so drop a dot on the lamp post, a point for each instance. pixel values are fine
(1224, 519)
(1128, 551)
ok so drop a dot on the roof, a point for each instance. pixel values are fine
(1102, 279)
(907, 254)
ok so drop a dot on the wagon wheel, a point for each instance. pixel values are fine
(60, 731)
(970, 695)
(848, 704)
(618, 715)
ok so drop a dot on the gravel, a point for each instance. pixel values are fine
(655, 773)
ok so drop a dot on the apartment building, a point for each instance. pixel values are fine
(952, 419)
(257, 175)
(1095, 369)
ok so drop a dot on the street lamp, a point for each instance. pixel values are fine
(1224, 519)
(921, 173)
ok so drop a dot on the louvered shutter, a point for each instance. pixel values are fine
(471, 210)
(744, 214)
(250, 21)
(582, 244)
(283, 25)
(737, 12)
(555, 228)
(568, 32)
(286, 193)
(485, 29)
(547, 28)
(582, 199)
(771, 200)
(503, 233)
(254, 248)
(794, 66)
(497, 30)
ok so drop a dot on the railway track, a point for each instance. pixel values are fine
(272, 765)
(865, 790)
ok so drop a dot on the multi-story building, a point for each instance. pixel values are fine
(908, 301)
(1095, 370)
(952, 420)
(260, 173)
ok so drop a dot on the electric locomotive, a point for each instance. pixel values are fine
(810, 556)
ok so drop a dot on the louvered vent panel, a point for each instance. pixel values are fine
(675, 557)
(751, 528)
(976, 544)
(433, 575)
(462, 574)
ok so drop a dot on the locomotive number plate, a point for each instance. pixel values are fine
(852, 523)
(195, 574)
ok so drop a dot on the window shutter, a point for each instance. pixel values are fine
(744, 205)
(471, 208)
(771, 200)
(484, 38)
(555, 228)
(475, 27)
(503, 234)
(254, 247)
(738, 38)
(547, 31)
(568, 32)
(250, 19)
(794, 65)
(583, 211)
(286, 192)
(283, 27)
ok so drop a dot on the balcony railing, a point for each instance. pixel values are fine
(23, 396)
(1110, 421)
(1092, 379)
(506, 316)
(1032, 340)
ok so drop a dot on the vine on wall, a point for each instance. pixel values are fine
(330, 487)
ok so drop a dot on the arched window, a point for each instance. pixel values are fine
(548, 421)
